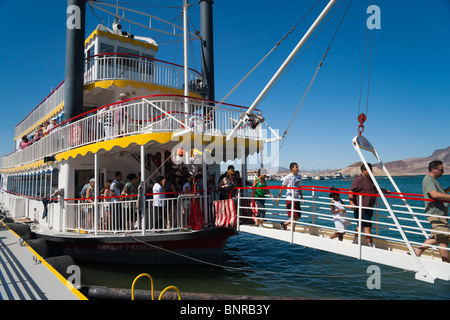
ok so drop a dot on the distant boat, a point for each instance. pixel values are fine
(318, 177)
(338, 175)
(306, 177)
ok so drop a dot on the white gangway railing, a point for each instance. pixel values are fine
(394, 241)
(161, 113)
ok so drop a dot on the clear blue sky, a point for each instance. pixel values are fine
(409, 102)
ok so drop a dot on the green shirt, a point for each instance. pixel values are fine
(260, 193)
(436, 208)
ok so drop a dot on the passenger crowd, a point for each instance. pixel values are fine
(40, 132)
(111, 122)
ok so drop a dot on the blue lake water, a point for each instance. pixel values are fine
(267, 267)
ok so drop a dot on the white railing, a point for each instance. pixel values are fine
(119, 66)
(115, 66)
(53, 100)
(136, 116)
(412, 228)
(170, 214)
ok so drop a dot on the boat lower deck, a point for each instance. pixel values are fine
(155, 248)
(24, 275)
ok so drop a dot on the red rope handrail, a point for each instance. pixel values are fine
(395, 195)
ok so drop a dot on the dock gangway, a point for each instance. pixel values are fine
(316, 226)
(399, 225)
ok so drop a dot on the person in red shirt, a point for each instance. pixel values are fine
(364, 184)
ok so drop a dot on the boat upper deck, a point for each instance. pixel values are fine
(144, 115)
(111, 57)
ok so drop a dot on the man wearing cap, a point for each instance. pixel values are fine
(51, 125)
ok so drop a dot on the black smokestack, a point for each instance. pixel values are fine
(75, 36)
(206, 26)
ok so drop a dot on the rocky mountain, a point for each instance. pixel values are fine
(411, 166)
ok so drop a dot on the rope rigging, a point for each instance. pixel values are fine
(317, 70)
(258, 64)
(362, 117)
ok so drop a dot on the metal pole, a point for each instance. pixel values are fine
(359, 224)
(205, 185)
(96, 194)
(284, 65)
(422, 273)
(143, 191)
(186, 62)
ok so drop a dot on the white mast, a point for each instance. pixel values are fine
(186, 62)
(245, 116)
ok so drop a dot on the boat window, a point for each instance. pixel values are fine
(126, 50)
(55, 176)
(106, 48)
(38, 185)
(89, 53)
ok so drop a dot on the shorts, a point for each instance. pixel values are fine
(297, 208)
(439, 225)
(260, 203)
(366, 215)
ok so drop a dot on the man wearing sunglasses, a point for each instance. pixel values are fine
(437, 210)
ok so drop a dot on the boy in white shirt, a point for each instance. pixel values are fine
(292, 180)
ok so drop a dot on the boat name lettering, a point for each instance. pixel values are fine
(131, 247)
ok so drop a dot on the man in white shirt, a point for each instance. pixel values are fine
(158, 202)
(51, 125)
(293, 182)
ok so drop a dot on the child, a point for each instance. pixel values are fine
(340, 216)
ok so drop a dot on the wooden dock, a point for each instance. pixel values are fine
(25, 275)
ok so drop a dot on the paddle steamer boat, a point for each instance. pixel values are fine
(122, 109)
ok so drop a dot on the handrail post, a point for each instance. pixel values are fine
(313, 206)
(359, 224)
(292, 218)
(377, 217)
(238, 210)
(96, 189)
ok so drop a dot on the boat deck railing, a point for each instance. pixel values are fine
(125, 66)
(43, 109)
(111, 215)
(150, 114)
(115, 66)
